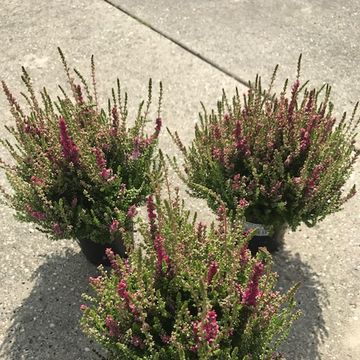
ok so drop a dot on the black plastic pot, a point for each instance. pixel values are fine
(272, 242)
(95, 253)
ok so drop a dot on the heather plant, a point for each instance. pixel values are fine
(79, 171)
(285, 158)
(188, 291)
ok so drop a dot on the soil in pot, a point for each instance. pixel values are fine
(272, 242)
(95, 252)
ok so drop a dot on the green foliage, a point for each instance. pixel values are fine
(188, 293)
(286, 156)
(79, 167)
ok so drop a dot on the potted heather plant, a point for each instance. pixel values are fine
(284, 159)
(80, 171)
(188, 293)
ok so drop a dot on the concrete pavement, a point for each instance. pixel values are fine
(42, 280)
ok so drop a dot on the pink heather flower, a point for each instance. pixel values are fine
(135, 154)
(161, 253)
(243, 203)
(112, 326)
(69, 149)
(294, 90)
(95, 281)
(57, 229)
(83, 307)
(244, 255)
(151, 208)
(311, 184)
(79, 95)
(211, 327)
(158, 124)
(221, 218)
(165, 339)
(304, 139)
(100, 159)
(238, 131)
(218, 154)
(137, 342)
(112, 259)
(38, 215)
(27, 128)
(106, 173)
(200, 232)
(115, 116)
(252, 292)
(114, 226)
(216, 132)
(122, 286)
(125, 296)
(37, 181)
(212, 271)
(132, 211)
(236, 182)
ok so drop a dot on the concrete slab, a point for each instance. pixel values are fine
(249, 37)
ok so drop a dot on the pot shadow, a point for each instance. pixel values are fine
(309, 330)
(46, 325)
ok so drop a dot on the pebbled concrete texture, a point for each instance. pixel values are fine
(42, 280)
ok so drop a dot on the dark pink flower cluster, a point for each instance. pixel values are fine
(137, 342)
(57, 229)
(32, 130)
(252, 292)
(112, 259)
(37, 181)
(132, 211)
(101, 163)
(213, 268)
(244, 255)
(211, 327)
(158, 126)
(161, 254)
(222, 220)
(69, 149)
(114, 226)
(79, 95)
(201, 232)
(311, 183)
(125, 296)
(38, 215)
(236, 182)
(207, 328)
(243, 203)
(112, 326)
(241, 143)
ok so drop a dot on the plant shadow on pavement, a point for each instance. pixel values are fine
(309, 330)
(46, 325)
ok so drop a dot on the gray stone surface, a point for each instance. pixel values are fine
(41, 281)
(250, 37)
